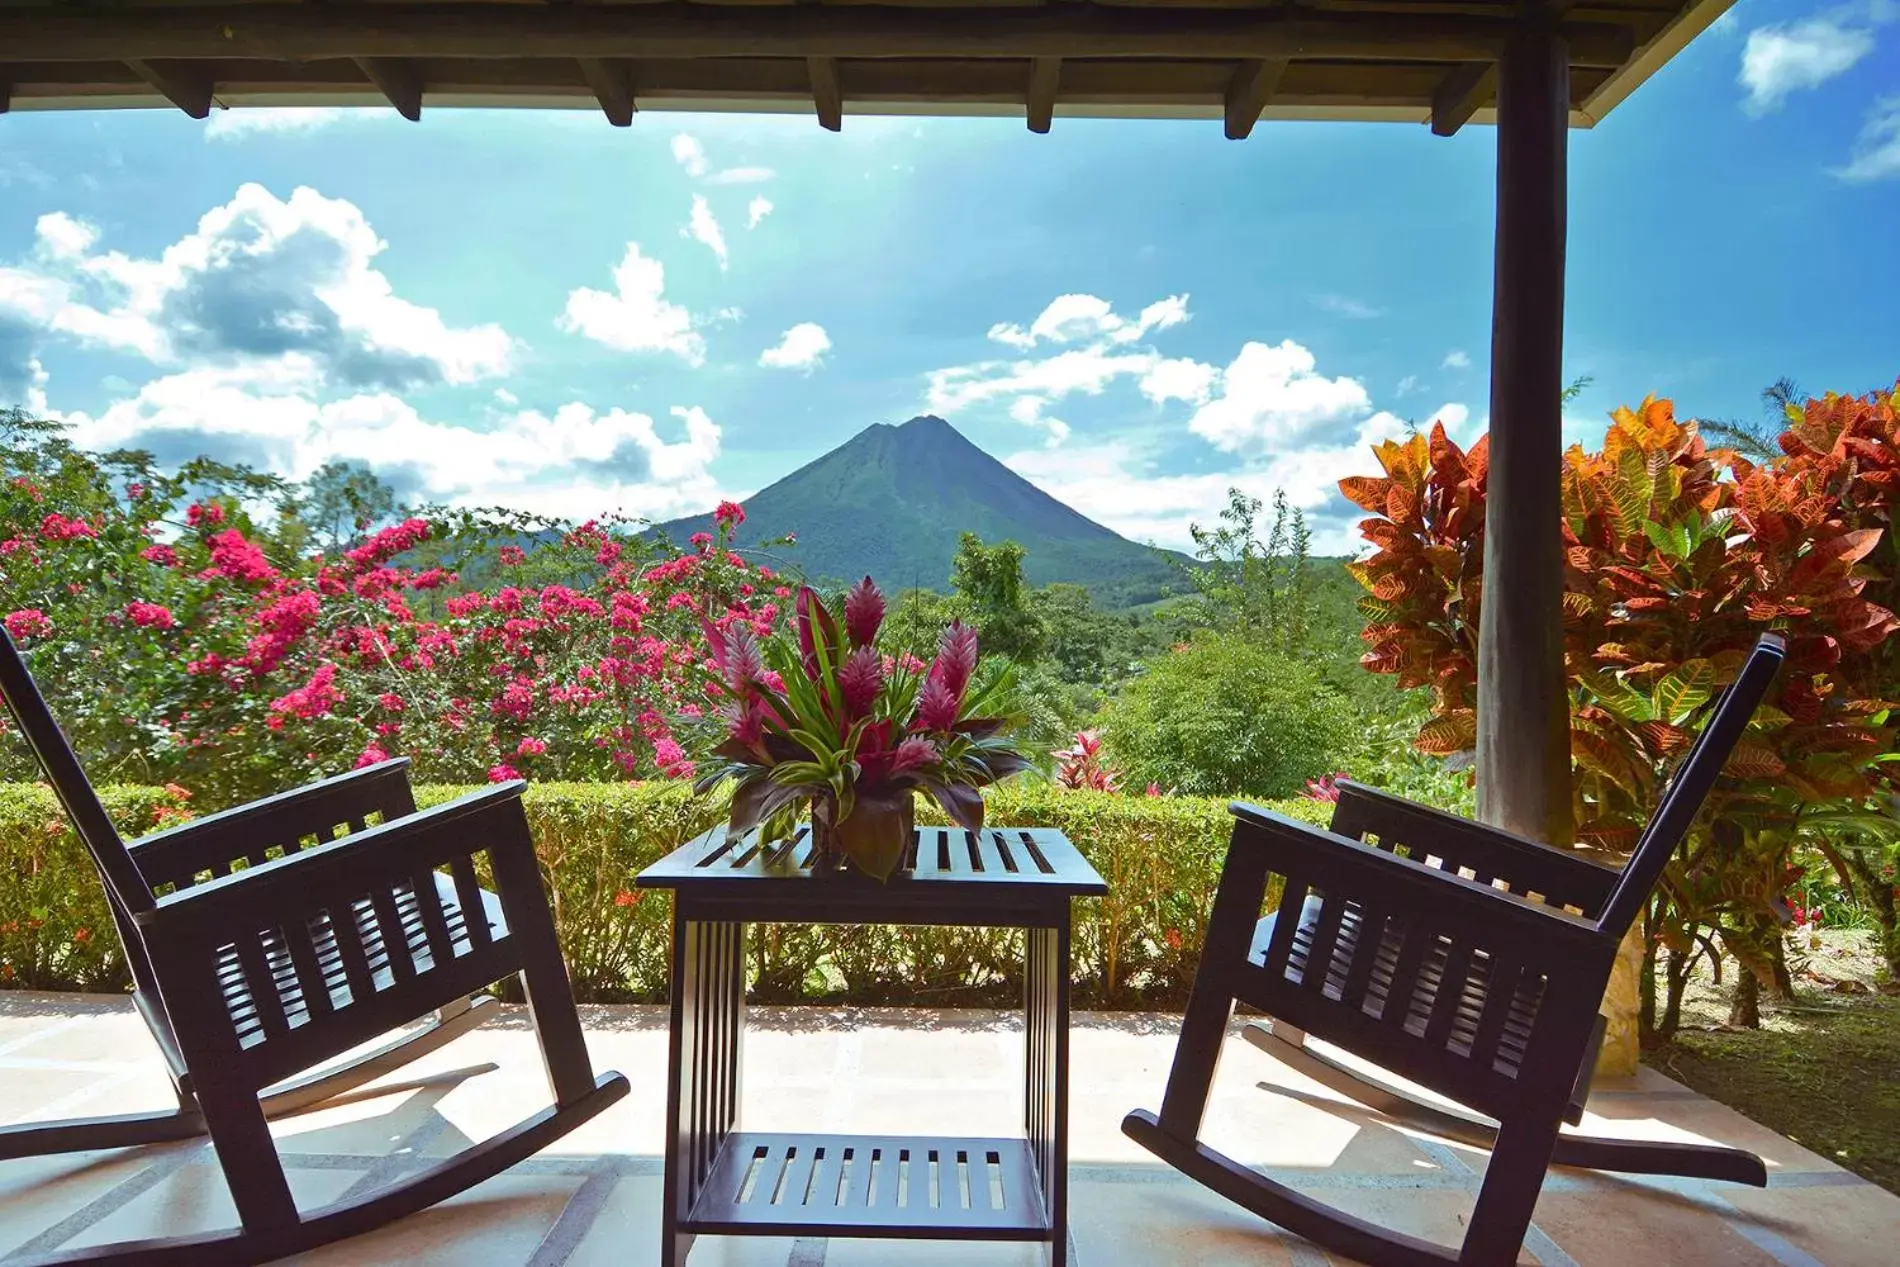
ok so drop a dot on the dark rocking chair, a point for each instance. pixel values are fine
(1462, 958)
(261, 946)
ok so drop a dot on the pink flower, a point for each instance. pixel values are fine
(512, 556)
(913, 754)
(936, 706)
(240, 560)
(1154, 789)
(701, 540)
(197, 513)
(956, 658)
(392, 702)
(389, 543)
(502, 772)
(315, 698)
(1323, 789)
(863, 613)
(861, 678)
(530, 747)
(162, 555)
(150, 615)
(730, 513)
(57, 527)
(371, 756)
(28, 622)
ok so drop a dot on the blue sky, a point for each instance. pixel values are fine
(538, 309)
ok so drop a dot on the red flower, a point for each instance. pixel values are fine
(512, 556)
(57, 527)
(372, 755)
(197, 513)
(162, 555)
(729, 513)
(863, 613)
(150, 615)
(240, 560)
(315, 698)
(29, 622)
(392, 701)
(530, 747)
(701, 540)
(502, 772)
(627, 897)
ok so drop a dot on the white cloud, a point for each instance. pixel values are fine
(1270, 397)
(1778, 60)
(579, 461)
(259, 277)
(505, 397)
(1180, 378)
(636, 316)
(1346, 306)
(1456, 359)
(704, 229)
(1078, 318)
(801, 348)
(232, 125)
(690, 154)
(1028, 410)
(1877, 150)
(756, 211)
(1407, 385)
(741, 176)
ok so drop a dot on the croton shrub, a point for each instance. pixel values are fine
(1677, 556)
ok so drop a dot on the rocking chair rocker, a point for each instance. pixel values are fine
(261, 946)
(1463, 958)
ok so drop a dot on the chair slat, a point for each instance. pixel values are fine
(1451, 988)
(1285, 924)
(468, 895)
(435, 924)
(261, 986)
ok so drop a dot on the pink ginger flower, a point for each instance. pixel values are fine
(861, 678)
(956, 657)
(863, 613)
(914, 753)
(730, 513)
(936, 706)
(28, 622)
(150, 615)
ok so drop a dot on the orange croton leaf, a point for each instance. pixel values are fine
(1366, 492)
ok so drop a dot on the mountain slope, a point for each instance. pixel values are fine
(891, 502)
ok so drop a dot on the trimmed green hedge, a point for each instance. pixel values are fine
(1137, 947)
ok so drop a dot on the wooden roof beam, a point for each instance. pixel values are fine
(1045, 76)
(1461, 94)
(827, 98)
(184, 87)
(398, 80)
(667, 31)
(612, 84)
(1248, 93)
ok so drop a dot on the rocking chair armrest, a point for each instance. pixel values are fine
(1561, 876)
(490, 820)
(1341, 865)
(215, 841)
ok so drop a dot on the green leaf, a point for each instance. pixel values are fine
(1683, 691)
(1619, 697)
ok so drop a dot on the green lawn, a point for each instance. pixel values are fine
(1823, 1070)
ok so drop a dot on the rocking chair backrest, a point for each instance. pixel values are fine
(1686, 790)
(70, 783)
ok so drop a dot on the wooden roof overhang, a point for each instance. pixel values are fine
(1236, 60)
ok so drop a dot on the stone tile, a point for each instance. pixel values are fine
(1697, 1120)
(1614, 1223)
(1432, 1214)
(38, 1192)
(880, 1253)
(1851, 1226)
(495, 1224)
(626, 1233)
(1161, 1218)
(193, 1198)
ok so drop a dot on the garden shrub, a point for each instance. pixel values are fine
(1137, 947)
(1226, 715)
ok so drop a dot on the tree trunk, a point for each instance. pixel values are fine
(1678, 982)
(1744, 1009)
(1877, 893)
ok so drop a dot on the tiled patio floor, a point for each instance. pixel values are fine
(593, 1200)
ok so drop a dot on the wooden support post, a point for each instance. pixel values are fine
(1458, 97)
(827, 98)
(1045, 74)
(1523, 704)
(6, 96)
(1248, 92)
(612, 85)
(186, 89)
(398, 80)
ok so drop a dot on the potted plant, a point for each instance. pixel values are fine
(825, 724)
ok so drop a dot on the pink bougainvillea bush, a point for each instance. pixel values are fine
(200, 628)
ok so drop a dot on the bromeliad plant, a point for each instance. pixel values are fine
(825, 724)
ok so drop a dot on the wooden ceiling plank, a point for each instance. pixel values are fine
(301, 32)
(1045, 77)
(827, 98)
(612, 83)
(397, 79)
(1248, 93)
(184, 87)
(1461, 94)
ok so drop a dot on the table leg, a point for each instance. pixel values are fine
(1046, 1077)
(703, 1060)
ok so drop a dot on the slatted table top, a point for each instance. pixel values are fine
(954, 873)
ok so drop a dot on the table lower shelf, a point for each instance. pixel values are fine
(872, 1186)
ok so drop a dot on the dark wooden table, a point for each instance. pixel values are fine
(723, 1181)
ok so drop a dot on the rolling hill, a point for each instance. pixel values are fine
(892, 501)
